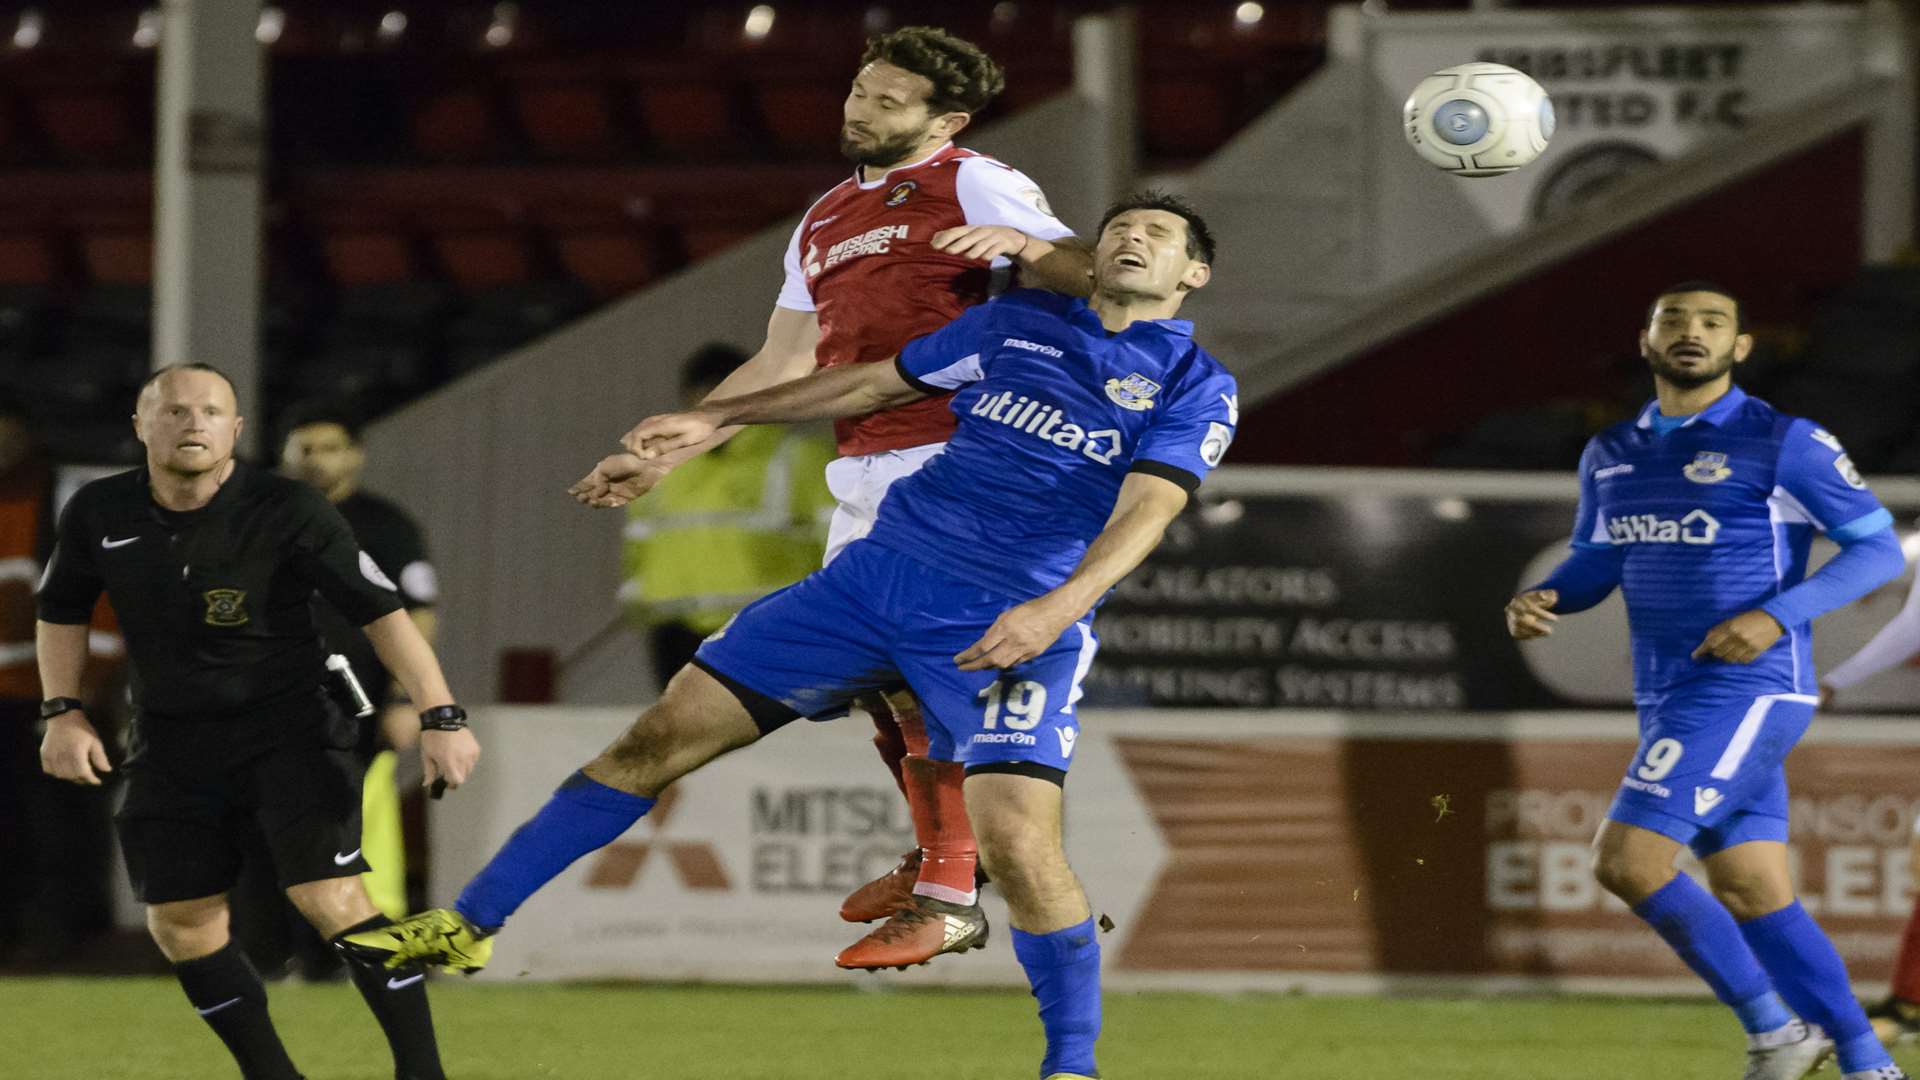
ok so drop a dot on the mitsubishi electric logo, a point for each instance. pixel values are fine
(1697, 527)
(696, 863)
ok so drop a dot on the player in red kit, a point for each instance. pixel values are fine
(916, 235)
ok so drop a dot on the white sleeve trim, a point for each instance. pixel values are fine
(955, 375)
(991, 193)
(794, 293)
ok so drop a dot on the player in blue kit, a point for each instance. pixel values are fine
(1083, 427)
(1701, 511)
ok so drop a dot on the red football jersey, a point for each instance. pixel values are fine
(863, 259)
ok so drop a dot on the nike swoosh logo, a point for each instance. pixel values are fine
(402, 984)
(110, 544)
(210, 1010)
(342, 860)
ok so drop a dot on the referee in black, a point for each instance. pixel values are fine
(210, 566)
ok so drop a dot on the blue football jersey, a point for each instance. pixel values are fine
(1054, 412)
(1712, 519)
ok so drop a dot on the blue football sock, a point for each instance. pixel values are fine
(1699, 928)
(1812, 977)
(582, 815)
(1064, 969)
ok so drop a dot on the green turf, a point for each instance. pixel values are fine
(141, 1029)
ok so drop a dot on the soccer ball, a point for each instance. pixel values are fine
(1478, 119)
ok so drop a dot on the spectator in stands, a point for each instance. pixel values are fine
(724, 529)
(53, 837)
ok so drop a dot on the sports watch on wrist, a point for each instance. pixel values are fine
(53, 707)
(443, 718)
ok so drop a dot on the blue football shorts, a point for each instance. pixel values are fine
(1710, 770)
(875, 618)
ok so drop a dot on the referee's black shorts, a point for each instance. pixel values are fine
(189, 818)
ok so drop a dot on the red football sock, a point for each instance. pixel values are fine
(887, 736)
(948, 853)
(1906, 967)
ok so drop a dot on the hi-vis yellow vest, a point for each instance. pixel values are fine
(727, 528)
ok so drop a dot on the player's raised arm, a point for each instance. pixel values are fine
(1147, 504)
(927, 366)
(853, 390)
(785, 355)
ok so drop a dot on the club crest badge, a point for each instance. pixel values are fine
(226, 607)
(1707, 468)
(900, 192)
(1134, 392)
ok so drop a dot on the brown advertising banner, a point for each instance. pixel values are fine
(1459, 846)
(1232, 849)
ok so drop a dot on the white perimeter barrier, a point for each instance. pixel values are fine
(1233, 850)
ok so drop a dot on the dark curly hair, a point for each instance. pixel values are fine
(964, 78)
(1199, 237)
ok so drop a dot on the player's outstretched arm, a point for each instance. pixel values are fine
(788, 353)
(1146, 505)
(785, 355)
(853, 390)
(444, 755)
(72, 749)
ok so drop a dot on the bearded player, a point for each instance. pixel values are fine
(914, 237)
(1701, 512)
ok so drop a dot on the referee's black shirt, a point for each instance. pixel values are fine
(214, 603)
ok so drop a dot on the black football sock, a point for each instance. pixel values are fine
(398, 998)
(227, 993)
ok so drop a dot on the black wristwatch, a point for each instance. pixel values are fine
(53, 707)
(443, 718)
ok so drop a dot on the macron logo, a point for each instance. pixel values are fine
(1705, 799)
(1032, 346)
(1067, 736)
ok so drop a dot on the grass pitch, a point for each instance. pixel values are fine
(142, 1029)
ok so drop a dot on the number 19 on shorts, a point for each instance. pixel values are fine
(1021, 706)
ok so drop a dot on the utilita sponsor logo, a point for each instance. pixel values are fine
(1697, 527)
(1043, 421)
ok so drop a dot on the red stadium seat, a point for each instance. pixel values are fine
(26, 258)
(800, 109)
(610, 261)
(480, 258)
(456, 124)
(86, 124)
(685, 107)
(119, 257)
(565, 109)
(1186, 114)
(368, 256)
